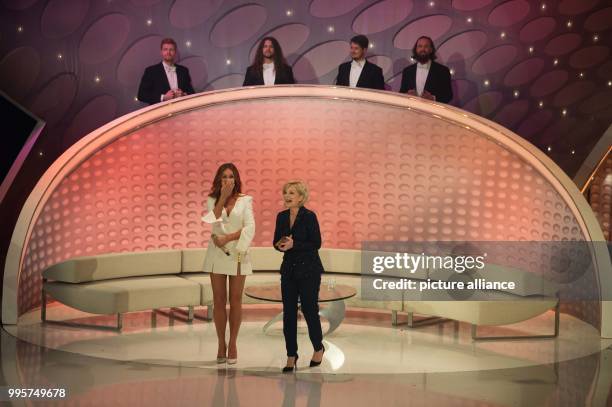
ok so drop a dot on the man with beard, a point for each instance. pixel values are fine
(269, 65)
(166, 80)
(427, 78)
(360, 73)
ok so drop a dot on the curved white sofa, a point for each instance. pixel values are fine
(125, 282)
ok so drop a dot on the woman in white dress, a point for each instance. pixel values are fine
(233, 226)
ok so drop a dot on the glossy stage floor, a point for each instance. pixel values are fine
(159, 359)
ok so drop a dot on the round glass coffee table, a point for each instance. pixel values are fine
(334, 313)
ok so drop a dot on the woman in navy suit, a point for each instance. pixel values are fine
(297, 234)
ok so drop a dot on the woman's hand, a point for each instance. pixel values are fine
(220, 240)
(286, 243)
(226, 190)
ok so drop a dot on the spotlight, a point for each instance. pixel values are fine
(149, 22)
(516, 93)
(97, 79)
(289, 13)
(548, 148)
(330, 29)
(541, 104)
(543, 6)
(530, 49)
(564, 112)
(431, 4)
(569, 24)
(19, 29)
(556, 62)
(502, 35)
(469, 20)
(573, 152)
(595, 38)
(228, 62)
(452, 71)
(60, 56)
(486, 82)
(188, 43)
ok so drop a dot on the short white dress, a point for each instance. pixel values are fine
(240, 217)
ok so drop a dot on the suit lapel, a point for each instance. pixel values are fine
(429, 74)
(363, 75)
(162, 70)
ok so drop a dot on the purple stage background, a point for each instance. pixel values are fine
(77, 63)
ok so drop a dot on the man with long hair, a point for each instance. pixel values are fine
(269, 65)
(427, 78)
(165, 80)
(360, 73)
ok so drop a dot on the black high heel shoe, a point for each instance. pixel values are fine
(315, 364)
(288, 369)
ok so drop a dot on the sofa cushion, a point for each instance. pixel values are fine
(115, 265)
(126, 294)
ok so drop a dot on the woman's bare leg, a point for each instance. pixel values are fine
(219, 312)
(236, 286)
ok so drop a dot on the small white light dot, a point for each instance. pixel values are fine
(569, 24)
(40, 153)
(97, 79)
(60, 56)
(228, 62)
(452, 71)
(371, 45)
(188, 43)
(289, 13)
(609, 83)
(564, 112)
(543, 6)
(330, 29)
(486, 82)
(135, 98)
(548, 148)
(149, 21)
(516, 93)
(530, 49)
(431, 4)
(19, 29)
(595, 38)
(502, 34)
(573, 152)
(541, 104)
(556, 62)
(469, 20)
(581, 75)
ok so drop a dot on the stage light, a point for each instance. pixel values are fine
(97, 79)
(502, 35)
(149, 21)
(541, 104)
(19, 29)
(371, 45)
(135, 98)
(564, 112)
(330, 29)
(486, 82)
(549, 148)
(581, 75)
(569, 24)
(228, 62)
(60, 56)
(188, 43)
(531, 49)
(289, 13)
(609, 83)
(452, 71)
(595, 38)
(469, 20)
(556, 62)
(573, 152)
(40, 153)
(431, 4)
(516, 93)
(543, 6)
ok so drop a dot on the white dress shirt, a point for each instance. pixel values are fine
(269, 75)
(356, 68)
(421, 76)
(171, 75)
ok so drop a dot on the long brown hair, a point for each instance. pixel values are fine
(279, 59)
(215, 190)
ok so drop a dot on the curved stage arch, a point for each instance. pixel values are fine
(380, 166)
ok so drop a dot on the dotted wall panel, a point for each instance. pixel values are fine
(376, 172)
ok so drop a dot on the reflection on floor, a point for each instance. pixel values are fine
(368, 362)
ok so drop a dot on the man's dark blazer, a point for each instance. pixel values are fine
(302, 260)
(371, 76)
(283, 76)
(154, 83)
(438, 81)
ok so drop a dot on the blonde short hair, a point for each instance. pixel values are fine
(300, 187)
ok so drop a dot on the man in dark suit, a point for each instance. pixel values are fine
(269, 65)
(166, 80)
(427, 78)
(359, 73)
